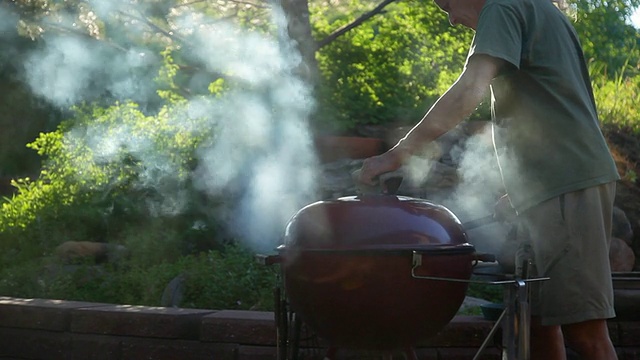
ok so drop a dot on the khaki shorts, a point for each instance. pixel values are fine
(568, 239)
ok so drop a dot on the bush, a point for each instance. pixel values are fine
(218, 279)
(122, 174)
(114, 175)
(388, 70)
(618, 98)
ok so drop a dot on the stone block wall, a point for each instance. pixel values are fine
(51, 329)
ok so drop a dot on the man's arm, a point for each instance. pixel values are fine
(456, 104)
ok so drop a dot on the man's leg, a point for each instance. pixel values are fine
(547, 342)
(590, 339)
(570, 236)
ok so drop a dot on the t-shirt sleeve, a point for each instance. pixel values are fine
(499, 34)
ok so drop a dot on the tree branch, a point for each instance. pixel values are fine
(357, 22)
(150, 24)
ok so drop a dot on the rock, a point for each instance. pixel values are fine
(116, 253)
(336, 180)
(621, 256)
(173, 292)
(332, 148)
(71, 252)
(621, 226)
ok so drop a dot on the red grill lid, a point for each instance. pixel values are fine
(375, 222)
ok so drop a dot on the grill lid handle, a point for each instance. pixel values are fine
(388, 183)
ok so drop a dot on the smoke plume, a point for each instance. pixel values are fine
(474, 185)
(260, 155)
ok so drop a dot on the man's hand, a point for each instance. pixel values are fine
(375, 166)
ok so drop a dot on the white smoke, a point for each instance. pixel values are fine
(481, 183)
(7, 23)
(469, 185)
(479, 189)
(69, 70)
(263, 143)
(9, 53)
(261, 158)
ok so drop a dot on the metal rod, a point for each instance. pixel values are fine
(523, 321)
(509, 339)
(295, 341)
(500, 282)
(281, 324)
(490, 335)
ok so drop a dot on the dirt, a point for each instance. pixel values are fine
(625, 147)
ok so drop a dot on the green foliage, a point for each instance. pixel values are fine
(87, 161)
(493, 293)
(126, 23)
(121, 176)
(232, 279)
(605, 35)
(617, 97)
(390, 69)
(218, 279)
(23, 118)
(108, 169)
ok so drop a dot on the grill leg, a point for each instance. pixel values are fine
(282, 331)
(516, 329)
(295, 337)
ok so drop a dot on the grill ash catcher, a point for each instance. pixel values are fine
(382, 273)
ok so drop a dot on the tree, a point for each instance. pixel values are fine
(389, 69)
(355, 53)
(605, 35)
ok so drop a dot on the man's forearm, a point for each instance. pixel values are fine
(455, 105)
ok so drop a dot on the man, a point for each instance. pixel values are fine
(554, 161)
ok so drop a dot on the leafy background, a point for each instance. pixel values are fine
(145, 195)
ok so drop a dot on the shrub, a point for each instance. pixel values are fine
(111, 174)
(388, 70)
(217, 279)
(618, 98)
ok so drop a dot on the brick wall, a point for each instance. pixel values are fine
(52, 329)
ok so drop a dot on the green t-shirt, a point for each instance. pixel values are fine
(546, 129)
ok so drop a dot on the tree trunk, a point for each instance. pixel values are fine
(299, 30)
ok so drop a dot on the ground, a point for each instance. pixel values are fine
(625, 147)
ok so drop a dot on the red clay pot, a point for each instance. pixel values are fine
(332, 148)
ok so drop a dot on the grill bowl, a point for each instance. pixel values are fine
(349, 267)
